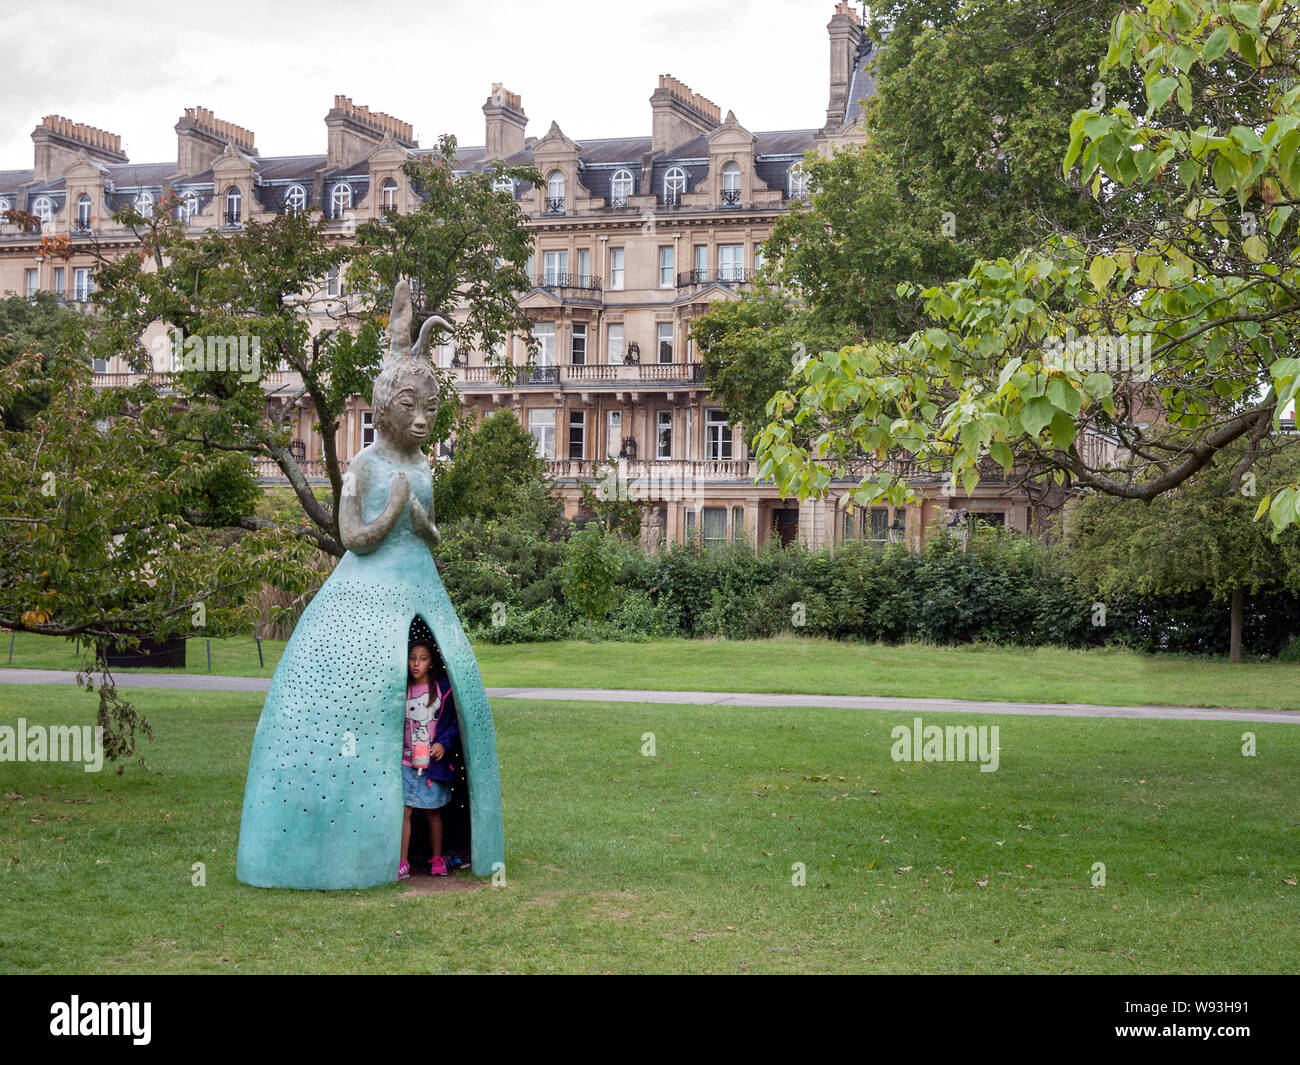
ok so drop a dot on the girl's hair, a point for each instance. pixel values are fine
(434, 660)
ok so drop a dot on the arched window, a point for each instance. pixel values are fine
(234, 202)
(340, 199)
(620, 188)
(504, 183)
(295, 199)
(83, 212)
(188, 207)
(674, 184)
(144, 203)
(798, 182)
(555, 192)
(731, 184)
(43, 209)
(388, 195)
(5, 205)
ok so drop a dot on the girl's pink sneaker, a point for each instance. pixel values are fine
(404, 871)
(437, 866)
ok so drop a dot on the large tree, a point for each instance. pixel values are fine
(1200, 537)
(464, 249)
(956, 167)
(131, 513)
(1125, 355)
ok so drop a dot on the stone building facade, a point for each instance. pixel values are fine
(636, 237)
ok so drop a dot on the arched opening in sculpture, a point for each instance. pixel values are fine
(456, 835)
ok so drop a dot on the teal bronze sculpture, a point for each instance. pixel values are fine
(323, 799)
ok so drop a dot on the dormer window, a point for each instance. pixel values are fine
(674, 184)
(731, 184)
(83, 212)
(188, 207)
(295, 199)
(388, 195)
(620, 188)
(555, 192)
(340, 199)
(798, 182)
(504, 183)
(43, 209)
(234, 206)
(144, 204)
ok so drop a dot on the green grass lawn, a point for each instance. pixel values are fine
(682, 862)
(818, 666)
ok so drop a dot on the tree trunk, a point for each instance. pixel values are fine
(1234, 636)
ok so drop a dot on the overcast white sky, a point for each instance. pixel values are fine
(132, 66)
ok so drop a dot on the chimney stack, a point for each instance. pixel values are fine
(845, 28)
(679, 114)
(201, 137)
(58, 140)
(354, 129)
(506, 122)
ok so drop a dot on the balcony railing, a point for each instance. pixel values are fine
(660, 478)
(272, 380)
(81, 225)
(730, 197)
(554, 279)
(584, 374)
(555, 205)
(268, 470)
(538, 375)
(734, 275)
(618, 201)
(232, 219)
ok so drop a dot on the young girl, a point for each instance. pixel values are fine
(431, 725)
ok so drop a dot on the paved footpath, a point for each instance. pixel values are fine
(215, 682)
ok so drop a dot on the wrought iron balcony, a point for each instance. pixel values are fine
(555, 279)
(81, 225)
(618, 201)
(538, 375)
(672, 196)
(555, 205)
(734, 275)
(730, 197)
(232, 218)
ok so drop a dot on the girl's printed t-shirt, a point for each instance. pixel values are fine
(421, 714)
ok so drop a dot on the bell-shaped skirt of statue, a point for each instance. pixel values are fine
(323, 800)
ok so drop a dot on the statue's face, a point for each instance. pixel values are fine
(413, 410)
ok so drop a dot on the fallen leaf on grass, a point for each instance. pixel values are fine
(1289, 880)
(982, 881)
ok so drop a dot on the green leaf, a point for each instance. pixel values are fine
(1101, 271)
(1036, 414)
(1064, 396)
(1255, 248)
(1183, 57)
(1159, 91)
(1001, 454)
(1063, 430)
(1215, 45)
(1247, 138)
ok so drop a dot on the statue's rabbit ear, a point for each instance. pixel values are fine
(399, 321)
(422, 341)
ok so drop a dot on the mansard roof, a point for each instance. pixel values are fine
(863, 82)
